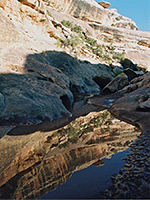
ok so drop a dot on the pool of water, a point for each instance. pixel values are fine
(109, 101)
(65, 165)
(90, 182)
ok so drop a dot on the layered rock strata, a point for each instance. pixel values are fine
(134, 106)
(29, 37)
(40, 87)
(34, 165)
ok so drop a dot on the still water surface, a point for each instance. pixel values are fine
(66, 164)
(90, 182)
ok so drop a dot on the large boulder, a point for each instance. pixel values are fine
(127, 63)
(116, 84)
(52, 83)
(31, 99)
(132, 74)
(134, 106)
(80, 73)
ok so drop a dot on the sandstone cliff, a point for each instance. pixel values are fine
(54, 57)
(32, 32)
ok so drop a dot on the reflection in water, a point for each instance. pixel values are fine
(133, 180)
(89, 183)
(32, 165)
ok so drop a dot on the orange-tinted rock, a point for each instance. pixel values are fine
(143, 43)
(3, 3)
(104, 4)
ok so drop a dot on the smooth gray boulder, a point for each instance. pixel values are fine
(52, 82)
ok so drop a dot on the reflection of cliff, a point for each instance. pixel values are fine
(35, 164)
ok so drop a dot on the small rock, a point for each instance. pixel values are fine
(117, 70)
(144, 43)
(131, 74)
(126, 63)
(104, 4)
(99, 163)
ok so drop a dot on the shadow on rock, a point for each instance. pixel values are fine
(44, 97)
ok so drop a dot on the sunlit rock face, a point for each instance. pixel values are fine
(104, 4)
(29, 31)
(90, 10)
(36, 82)
(144, 43)
(36, 28)
(3, 3)
(123, 38)
(34, 164)
(82, 9)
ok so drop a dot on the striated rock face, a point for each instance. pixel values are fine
(134, 107)
(52, 83)
(127, 41)
(49, 69)
(82, 9)
(35, 164)
(120, 21)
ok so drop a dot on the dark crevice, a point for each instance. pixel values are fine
(75, 91)
(45, 79)
(146, 109)
(66, 101)
(106, 91)
(30, 70)
(102, 81)
(54, 145)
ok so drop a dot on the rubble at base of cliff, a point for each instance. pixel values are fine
(133, 181)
